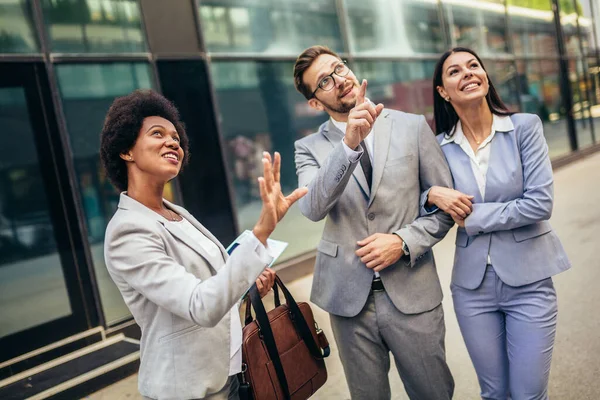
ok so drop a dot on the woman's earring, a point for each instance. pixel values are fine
(130, 158)
(447, 98)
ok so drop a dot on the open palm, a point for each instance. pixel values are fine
(275, 204)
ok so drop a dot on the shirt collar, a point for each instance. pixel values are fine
(500, 123)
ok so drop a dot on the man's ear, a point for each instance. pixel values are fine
(316, 104)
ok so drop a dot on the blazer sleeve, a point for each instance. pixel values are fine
(538, 190)
(136, 253)
(427, 230)
(325, 183)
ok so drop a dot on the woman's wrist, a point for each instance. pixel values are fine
(260, 234)
(431, 196)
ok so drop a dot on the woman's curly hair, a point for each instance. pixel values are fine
(122, 126)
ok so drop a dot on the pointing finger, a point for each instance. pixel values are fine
(361, 92)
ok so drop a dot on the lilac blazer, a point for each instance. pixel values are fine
(511, 222)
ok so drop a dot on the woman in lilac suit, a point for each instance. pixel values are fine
(506, 250)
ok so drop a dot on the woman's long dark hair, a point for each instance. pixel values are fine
(443, 111)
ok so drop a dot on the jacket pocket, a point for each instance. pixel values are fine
(531, 231)
(462, 239)
(180, 333)
(328, 248)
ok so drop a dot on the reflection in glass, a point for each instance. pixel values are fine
(404, 86)
(94, 26)
(540, 94)
(87, 90)
(532, 27)
(32, 284)
(17, 32)
(581, 88)
(586, 24)
(568, 20)
(261, 111)
(502, 74)
(270, 27)
(396, 27)
(477, 24)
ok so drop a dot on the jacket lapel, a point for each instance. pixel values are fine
(184, 213)
(382, 133)
(127, 203)
(469, 182)
(334, 135)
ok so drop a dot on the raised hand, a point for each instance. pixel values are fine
(275, 204)
(361, 118)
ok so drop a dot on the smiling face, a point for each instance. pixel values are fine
(339, 100)
(156, 154)
(464, 80)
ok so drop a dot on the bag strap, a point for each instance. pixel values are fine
(267, 334)
(300, 322)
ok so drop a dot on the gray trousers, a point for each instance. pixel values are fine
(509, 332)
(415, 340)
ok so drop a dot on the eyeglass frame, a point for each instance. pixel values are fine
(344, 62)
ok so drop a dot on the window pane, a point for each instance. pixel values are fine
(568, 20)
(581, 102)
(396, 27)
(586, 24)
(594, 73)
(502, 74)
(87, 90)
(479, 25)
(532, 26)
(404, 86)
(94, 26)
(269, 26)
(17, 32)
(32, 283)
(540, 94)
(261, 111)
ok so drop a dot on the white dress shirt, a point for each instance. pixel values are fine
(480, 158)
(353, 155)
(235, 346)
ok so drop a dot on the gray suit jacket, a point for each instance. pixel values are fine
(407, 162)
(181, 302)
(511, 223)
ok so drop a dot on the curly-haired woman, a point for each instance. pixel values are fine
(174, 275)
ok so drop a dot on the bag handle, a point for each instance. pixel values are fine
(248, 314)
(266, 333)
(296, 316)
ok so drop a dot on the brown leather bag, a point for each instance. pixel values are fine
(281, 350)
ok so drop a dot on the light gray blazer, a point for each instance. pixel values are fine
(511, 223)
(181, 302)
(407, 161)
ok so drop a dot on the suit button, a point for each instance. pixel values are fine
(371, 216)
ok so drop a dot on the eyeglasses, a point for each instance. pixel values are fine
(328, 82)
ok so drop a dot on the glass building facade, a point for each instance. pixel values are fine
(227, 65)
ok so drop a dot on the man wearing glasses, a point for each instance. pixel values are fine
(368, 170)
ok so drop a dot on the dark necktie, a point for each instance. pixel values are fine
(365, 163)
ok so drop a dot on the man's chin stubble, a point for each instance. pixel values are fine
(341, 108)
